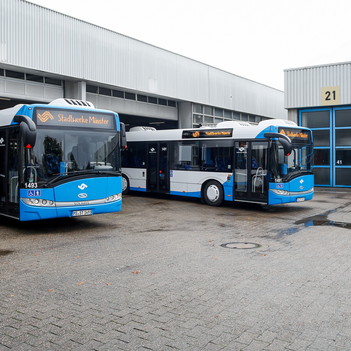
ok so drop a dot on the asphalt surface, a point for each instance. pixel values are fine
(173, 274)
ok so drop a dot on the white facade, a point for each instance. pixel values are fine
(319, 97)
(41, 42)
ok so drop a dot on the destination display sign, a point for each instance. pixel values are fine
(295, 133)
(207, 133)
(71, 118)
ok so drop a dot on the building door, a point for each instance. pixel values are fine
(331, 129)
(157, 169)
(320, 122)
(342, 147)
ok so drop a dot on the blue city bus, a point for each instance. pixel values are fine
(60, 159)
(269, 163)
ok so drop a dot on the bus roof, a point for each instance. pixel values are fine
(229, 129)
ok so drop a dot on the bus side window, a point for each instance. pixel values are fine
(134, 156)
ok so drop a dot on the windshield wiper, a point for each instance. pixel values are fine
(62, 176)
(295, 174)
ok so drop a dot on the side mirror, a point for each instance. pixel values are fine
(28, 130)
(123, 135)
(283, 139)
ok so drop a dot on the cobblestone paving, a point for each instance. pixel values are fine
(155, 277)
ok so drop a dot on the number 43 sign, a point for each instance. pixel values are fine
(330, 96)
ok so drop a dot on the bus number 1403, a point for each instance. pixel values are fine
(30, 185)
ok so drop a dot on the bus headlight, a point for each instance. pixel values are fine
(280, 192)
(114, 197)
(38, 202)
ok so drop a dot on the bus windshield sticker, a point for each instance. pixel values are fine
(295, 134)
(207, 133)
(70, 118)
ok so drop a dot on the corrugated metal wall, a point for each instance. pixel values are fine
(303, 85)
(40, 39)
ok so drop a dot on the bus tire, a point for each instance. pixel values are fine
(213, 193)
(125, 185)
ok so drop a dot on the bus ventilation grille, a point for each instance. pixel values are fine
(72, 102)
(80, 103)
(142, 129)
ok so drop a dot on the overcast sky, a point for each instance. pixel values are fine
(255, 39)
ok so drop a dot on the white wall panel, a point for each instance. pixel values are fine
(133, 107)
(42, 40)
(303, 85)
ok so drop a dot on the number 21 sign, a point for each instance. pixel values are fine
(330, 96)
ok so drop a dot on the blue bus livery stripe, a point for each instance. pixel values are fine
(188, 194)
(137, 189)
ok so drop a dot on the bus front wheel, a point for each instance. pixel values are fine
(213, 193)
(125, 185)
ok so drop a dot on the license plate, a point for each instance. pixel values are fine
(300, 199)
(82, 213)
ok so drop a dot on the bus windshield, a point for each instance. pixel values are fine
(71, 151)
(285, 167)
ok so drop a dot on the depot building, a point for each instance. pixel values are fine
(319, 97)
(45, 55)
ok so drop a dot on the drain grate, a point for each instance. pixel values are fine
(241, 245)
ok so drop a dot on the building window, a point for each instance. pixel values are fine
(197, 119)
(104, 91)
(208, 120)
(118, 94)
(227, 114)
(1, 72)
(129, 96)
(315, 119)
(197, 108)
(34, 78)
(208, 110)
(236, 115)
(142, 98)
(162, 102)
(218, 120)
(172, 103)
(92, 89)
(252, 119)
(152, 100)
(214, 115)
(14, 74)
(218, 112)
(53, 81)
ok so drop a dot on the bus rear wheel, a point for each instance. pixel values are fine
(213, 193)
(125, 185)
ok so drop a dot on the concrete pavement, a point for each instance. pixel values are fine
(173, 274)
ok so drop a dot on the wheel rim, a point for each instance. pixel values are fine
(124, 184)
(212, 193)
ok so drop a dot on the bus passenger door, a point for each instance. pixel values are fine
(3, 171)
(14, 167)
(250, 173)
(241, 179)
(158, 169)
(9, 176)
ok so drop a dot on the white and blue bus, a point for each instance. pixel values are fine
(269, 163)
(59, 160)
